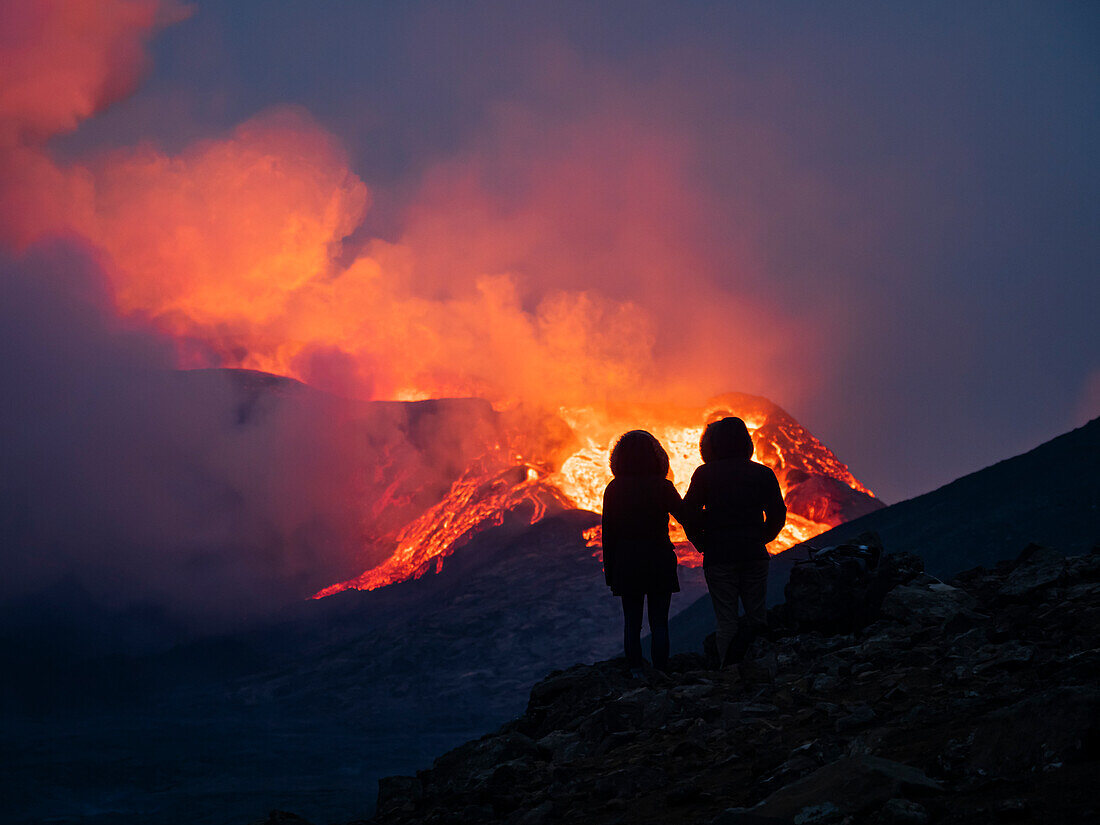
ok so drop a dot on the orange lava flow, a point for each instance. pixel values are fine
(505, 482)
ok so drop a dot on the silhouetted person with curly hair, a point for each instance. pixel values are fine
(732, 510)
(638, 558)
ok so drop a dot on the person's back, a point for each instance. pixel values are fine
(638, 557)
(730, 497)
(732, 509)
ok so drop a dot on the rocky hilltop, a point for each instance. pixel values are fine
(881, 696)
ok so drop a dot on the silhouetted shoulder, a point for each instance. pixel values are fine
(701, 473)
(762, 471)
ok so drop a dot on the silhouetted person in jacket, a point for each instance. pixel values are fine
(638, 559)
(732, 509)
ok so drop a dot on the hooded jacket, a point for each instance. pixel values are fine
(638, 556)
(733, 506)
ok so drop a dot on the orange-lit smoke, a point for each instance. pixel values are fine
(64, 60)
(557, 264)
(581, 286)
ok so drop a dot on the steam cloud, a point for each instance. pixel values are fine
(146, 485)
(234, 246)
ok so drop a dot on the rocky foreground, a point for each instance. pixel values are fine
(968, 701)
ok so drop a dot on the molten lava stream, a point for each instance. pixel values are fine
(496, 486)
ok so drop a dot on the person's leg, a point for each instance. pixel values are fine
(753, 585)
(722, 584)
(632, 630)
(658, 627)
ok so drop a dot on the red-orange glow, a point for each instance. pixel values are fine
(66, 59)
(63, 60)
(486, 493)
(232, 228)
(579, 288)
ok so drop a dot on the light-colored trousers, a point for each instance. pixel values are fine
(730, 581)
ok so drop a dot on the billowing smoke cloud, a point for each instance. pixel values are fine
(234, 245)
(147, 485)
(64, 60)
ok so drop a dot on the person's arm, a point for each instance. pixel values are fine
(691, 510)
(673, 502)
(608, 533)
(775, 511)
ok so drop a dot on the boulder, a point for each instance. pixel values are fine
(927, 601)
(1058, 725)
(563, 746)
(485, 753)
(1007, 656)
(902, 812)
(629, 782)
(1037, 567)
(840, 589)
(854, 784)
(860, 716)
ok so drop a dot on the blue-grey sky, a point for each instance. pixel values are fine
(906, 194)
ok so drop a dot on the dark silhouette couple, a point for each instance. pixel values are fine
(732, 510)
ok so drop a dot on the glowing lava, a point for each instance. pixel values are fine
(505, 481)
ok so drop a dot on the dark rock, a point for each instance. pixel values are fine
(1058, 725)
(684, 793)
(486, 753)
(926, 601)
(1038, 567)
(841, 588)
(986, 693)
(853, 784)
(563, 746)
(1010, 655)
(743, 816)
(823, 814)
(615, 740)
(629, 782)
(860, 717)
(761, 663)
(1084, 665)
(539, 815)
(902, 812)
(398, 791)
(1012, 810)
(282, 818)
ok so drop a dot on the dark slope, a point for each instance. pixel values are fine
(1049, 496)
(972, 703)
(307, 712)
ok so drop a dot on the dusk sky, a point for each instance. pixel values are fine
(883, 217)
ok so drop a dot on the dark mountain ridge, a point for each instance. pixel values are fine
(1049, 495)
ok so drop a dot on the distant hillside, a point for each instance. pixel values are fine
(1050, 495)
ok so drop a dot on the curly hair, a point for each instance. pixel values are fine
(726, 438)
(638, 453)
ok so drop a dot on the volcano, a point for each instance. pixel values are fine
(537, 465)
(480, 544)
